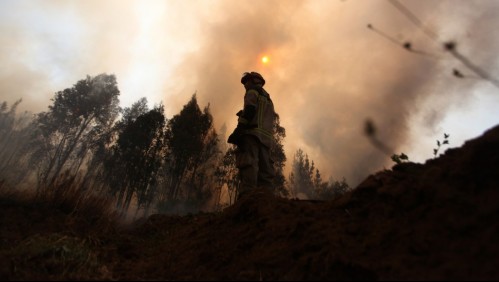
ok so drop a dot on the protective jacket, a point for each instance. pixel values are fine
(258, 115)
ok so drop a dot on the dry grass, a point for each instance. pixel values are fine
(89, 210)
(55, 257)
(58, 233)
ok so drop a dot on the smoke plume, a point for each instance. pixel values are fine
(328, 72)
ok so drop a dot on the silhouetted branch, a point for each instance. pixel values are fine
(406, 45)
(448, 46)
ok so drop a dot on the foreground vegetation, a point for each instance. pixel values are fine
(433, 221)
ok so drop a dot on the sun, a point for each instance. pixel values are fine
(265, 59)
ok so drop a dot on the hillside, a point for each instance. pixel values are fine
(432, 221)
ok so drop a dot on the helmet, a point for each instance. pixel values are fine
(248, 75)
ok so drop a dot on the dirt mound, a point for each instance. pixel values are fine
(432, 221)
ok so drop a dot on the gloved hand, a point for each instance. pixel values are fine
(235, 137)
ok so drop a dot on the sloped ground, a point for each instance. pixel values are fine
(437, 221)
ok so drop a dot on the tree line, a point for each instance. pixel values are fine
(136, 155)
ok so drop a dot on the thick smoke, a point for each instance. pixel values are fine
(328, 72)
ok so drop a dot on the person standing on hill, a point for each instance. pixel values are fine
(254, 136)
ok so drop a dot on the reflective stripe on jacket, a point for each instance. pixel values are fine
(262, 124)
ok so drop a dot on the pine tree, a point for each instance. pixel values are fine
(192, 146)
(279, 157)
(136, 158)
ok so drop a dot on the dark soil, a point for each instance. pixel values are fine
(432, 221)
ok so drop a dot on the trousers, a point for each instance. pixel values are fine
(256, 168)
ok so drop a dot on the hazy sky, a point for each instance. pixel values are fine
(327, 71)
